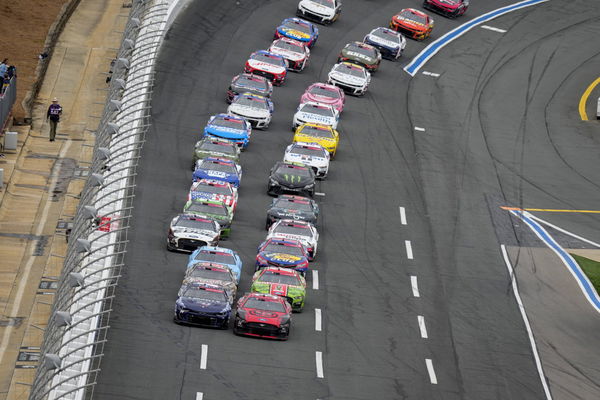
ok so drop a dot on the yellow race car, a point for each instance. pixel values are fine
(324, 135)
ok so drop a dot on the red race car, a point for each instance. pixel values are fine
(263, 315)
(412, 23)
(449, 8)
(271, 66)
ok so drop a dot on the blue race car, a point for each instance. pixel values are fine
(233, 128)
(202, 304)
(298, 29)
(283, 253)
(219, 255)
(218, 169)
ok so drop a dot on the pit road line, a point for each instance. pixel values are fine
(414, 285)
(315, 278)
(203, 356)
(409, 252)
(318, 319)
(319, 361)
(402, 215)
(431, 371)
(199, 396)
(422, 328)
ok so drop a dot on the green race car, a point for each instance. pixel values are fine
(211, 209)
(362, 54)
(215, 147)
(284, 282)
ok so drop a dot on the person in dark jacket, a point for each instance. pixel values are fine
(53, 116)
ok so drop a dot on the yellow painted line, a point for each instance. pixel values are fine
(584, 98)
(550, 210)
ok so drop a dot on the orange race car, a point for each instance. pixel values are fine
(412, 23)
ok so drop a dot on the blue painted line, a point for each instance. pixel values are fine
(413, 67)
(582, 279)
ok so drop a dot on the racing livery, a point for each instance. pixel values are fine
(449, 8)
(322, 11)
(413, 23)
(316, 113)
(187, 232)
(325, 94)
(295, 53)
(219, 255)
(203, 305)
(263, 315)
(310, 154)
(215, 147)
(270, 65)
(362, 54)
(219, 169)
(291, 178)
(283, 282)
(283, 253)
(292, 207)
(229, 127)
(304, 232)
(249, 83)
(211, 209)
(210, 189)
(390, 43)
(351, 78)
(212, 274)
(258, 110)
(324, 135)
(298, 29)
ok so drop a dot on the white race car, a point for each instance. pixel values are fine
(351, 78)
(295, 53)
(188, 232)
(390, 43)
(302, 231)
(323, 11)
(310, 154)
(316, 113)
(256, 109)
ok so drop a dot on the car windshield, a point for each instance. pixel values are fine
(286, 169)
(275, 247)
(297, 26)
(195, 223)
(307, 151)
(206, 208)
(319, 110)
(216, 189)
(218, 166)
(228, 123)
(217, 147)
(328, 3)
(276, 277)
(350, 70)
(293, 230)
(215, 256)
(268, 59)
(280, 44)
(204, 294)
(409, 15)
(385, 34)
(317, 132)
(253, 102)
(365, 51)
(293, 205)
(325, 92)
(250, 82)
(264, 305)
(216, 274)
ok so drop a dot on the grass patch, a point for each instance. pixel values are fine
(591, 268)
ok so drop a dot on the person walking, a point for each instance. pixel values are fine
(53, 115)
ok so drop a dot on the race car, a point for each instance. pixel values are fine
(351, 78)
(283, 282)
(324, 135)
(304, 232)
(292, 207)
(296, 53)
(249, 83)
(203, 305)
(362, 54)
(390, 43)
(412, 23)
(322, 11)
(270, 65)
(315, 113)
(325, 94)
(212, 274)
(310, 154)
(449, 8)
(219, 255)
(258, 110)
(187, 232)
(215, 147)
(210, 189)
(291, 178)
(283, 253)
(298, 29)
(219, 169)
(211, 209)
(263, 315)
(229, 127)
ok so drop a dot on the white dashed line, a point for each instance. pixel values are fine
(431, 371)
(199, 396)
(402, 216)
(319, 359)
(415, 286)
(319, 194)
(409, 253)
(418, 128)
(315, 276)
(318, 319)
(491, 28)
(422, 327)
(430, 74)
(203, 356)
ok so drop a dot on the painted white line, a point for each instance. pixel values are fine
(422, 327)
(430, 74)
(203, 356)
(409, 253)
(315, 276)
(418, 128)
(563, 230)
(536, 356)
(199, 396)
(431, 371)
(319, 359)
(415, 286)
(402, 216)
(319, 194)
(491, 28)
(318, 319)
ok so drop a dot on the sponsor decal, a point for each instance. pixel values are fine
(220, 174)
(296, 33)
(283, 257)
(278, 289)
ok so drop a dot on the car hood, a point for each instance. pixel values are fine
(228, 133)
(205, 306)
(263, 66)
(288, 54)
(316, 7)
(315, 118)
(354, 55)
(383, 42)
(244, 89)
(228, 200)
(248, 111)
(282, 259)
(295, 34)
(305, 240)
(205, 153)
(277, 289)
(229, 287)
(191, 233)
(293, 214)
(307, 160)
(345, 78)
(292, 181)
(447, 3)
(219, 175)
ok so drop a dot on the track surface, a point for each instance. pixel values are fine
(475, 147)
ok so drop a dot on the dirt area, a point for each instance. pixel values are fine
(24, 25)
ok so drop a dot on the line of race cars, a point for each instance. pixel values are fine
(278, 285)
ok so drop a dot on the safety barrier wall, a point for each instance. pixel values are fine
(6, 101)
(74, 339)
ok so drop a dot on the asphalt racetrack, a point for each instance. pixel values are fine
(500, 128)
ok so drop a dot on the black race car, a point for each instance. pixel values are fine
(291, 178)
(249, 83)
(292, 207)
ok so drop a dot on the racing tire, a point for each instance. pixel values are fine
(170, 248)
(225, 325)
(267, 224)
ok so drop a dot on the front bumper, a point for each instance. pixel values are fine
(298, 268)
(201, 319)
(350, 89)
(275, 190)
(186, 244)
(277, 80)
(408, 32)
(261, 330)
(258, 123)
(242, 143)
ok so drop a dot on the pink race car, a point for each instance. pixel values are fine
(325, 94)
(449, 8)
